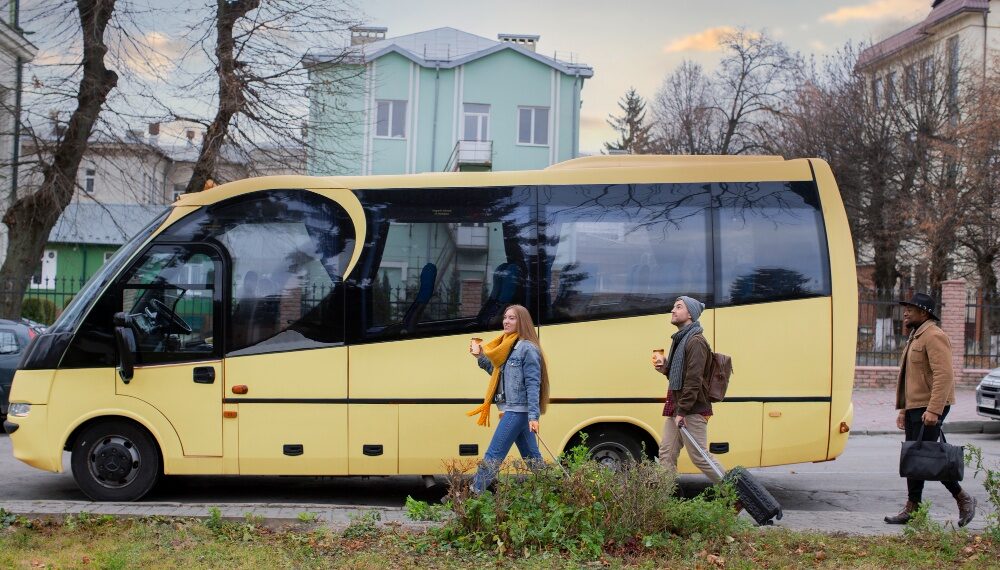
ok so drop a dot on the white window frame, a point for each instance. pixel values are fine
(389, 124)
(517, 126)
(49, 272)
(480, 117)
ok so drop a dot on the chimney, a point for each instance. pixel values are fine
(57, 129)
(154, 129)
(190, 134)
(527, 41)
(361, 35)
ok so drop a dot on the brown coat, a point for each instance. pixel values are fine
(692, 398)
(925, 376)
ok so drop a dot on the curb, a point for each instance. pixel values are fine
(990, 427)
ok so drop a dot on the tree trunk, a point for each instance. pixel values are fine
(231, 97)
(30, 218)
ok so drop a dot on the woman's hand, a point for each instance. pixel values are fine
(533, 426)
(475, 349)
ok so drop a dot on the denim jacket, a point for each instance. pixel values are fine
(521, 377)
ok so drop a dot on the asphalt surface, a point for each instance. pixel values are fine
(851, 494)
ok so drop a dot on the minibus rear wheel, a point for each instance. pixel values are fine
(115, 460)
(610, 446)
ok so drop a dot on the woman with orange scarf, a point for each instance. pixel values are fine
(519, 385)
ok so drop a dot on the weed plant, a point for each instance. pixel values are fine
(582, 508)
(991, 482)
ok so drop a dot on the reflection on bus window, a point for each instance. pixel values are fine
(288, 251)
(623, 250)
(444, 261)
(170, 297)
(771, 242)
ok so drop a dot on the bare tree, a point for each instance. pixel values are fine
(682, 112)
(255, 56)
(733, 111)
(30, 217)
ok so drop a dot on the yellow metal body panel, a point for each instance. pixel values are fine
(195, 410)
(319, 425)
(32, 386)
(844, 305)
(794, 432)
(266, 428)
(739, 424)
(431, 433)
(610, 358)
(375, 424)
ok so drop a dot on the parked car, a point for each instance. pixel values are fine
(14, 338)
(988, 395)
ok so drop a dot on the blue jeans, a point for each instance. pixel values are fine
(512, 430)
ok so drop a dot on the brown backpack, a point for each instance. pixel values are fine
(720, 368)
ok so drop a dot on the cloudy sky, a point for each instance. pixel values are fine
(638, 42)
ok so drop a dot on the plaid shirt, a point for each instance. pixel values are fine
(669, 407)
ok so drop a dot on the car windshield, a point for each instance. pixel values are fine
(81, 303)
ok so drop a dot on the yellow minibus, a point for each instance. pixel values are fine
(301, 325)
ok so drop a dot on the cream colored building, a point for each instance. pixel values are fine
(961, 37)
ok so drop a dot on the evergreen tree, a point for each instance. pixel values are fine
(630, 125)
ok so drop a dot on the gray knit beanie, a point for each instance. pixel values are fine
(694, 306)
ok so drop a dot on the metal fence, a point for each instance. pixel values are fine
(880, 328)
(982, 331)
(44, 301)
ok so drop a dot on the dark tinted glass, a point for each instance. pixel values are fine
(174, 298)
(619, 250)
(288, 250)
(771, 242)
(441, 261)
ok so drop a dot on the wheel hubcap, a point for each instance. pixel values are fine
(114, 462)
(610, 455)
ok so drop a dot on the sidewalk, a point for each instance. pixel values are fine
(875, 414)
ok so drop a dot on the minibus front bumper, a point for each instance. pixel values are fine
(30, 440)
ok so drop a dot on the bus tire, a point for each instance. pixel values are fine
(611, 447)
(115, 461)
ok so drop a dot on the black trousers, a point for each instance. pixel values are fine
(915, 487)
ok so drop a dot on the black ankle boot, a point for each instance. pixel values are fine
(966, 507)
(904, 516)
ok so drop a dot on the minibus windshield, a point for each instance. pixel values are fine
(81, 303)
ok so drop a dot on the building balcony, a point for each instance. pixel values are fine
(471, 156)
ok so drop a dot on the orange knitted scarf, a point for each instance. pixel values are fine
(497, 350)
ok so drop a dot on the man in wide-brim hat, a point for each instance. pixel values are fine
(925, 391)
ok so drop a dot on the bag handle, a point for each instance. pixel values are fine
(920, 434)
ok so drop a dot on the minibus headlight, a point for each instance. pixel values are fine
(19, 410)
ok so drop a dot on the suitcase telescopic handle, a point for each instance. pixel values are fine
(701, 451)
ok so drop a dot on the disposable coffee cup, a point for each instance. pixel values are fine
(657, 355)
(476, 340)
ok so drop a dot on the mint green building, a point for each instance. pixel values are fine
(441, 100)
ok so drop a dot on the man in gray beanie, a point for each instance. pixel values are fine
(687, 401)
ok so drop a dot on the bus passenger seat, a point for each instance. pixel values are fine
(428, 275)
(505, 286)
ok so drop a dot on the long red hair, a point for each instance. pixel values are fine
(526, 331)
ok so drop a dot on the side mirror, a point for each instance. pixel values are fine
(125, 343)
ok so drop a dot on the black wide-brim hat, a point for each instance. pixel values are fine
(923, 301)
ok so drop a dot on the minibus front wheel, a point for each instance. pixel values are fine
(115, 460)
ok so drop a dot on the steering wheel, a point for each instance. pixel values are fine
(170, 316)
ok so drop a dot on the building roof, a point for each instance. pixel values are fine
(102, 224)
(441, 47)
(941, 11)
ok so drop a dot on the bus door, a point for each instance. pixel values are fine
(173, 299)
(285, 394)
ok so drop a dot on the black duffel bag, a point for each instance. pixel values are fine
(932, 460)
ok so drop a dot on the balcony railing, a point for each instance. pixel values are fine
(470, 153)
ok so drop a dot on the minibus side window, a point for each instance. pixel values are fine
(443, 261)
(622, 250)
(771, 242)
(287, 251)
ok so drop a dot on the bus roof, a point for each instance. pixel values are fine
(615, 169)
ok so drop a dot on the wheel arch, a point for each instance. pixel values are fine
(641, 431)
(124, 416)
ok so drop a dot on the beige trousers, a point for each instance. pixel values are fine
(670, 446)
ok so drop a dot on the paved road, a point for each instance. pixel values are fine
(849, 494)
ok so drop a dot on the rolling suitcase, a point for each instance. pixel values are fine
(756, 500)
